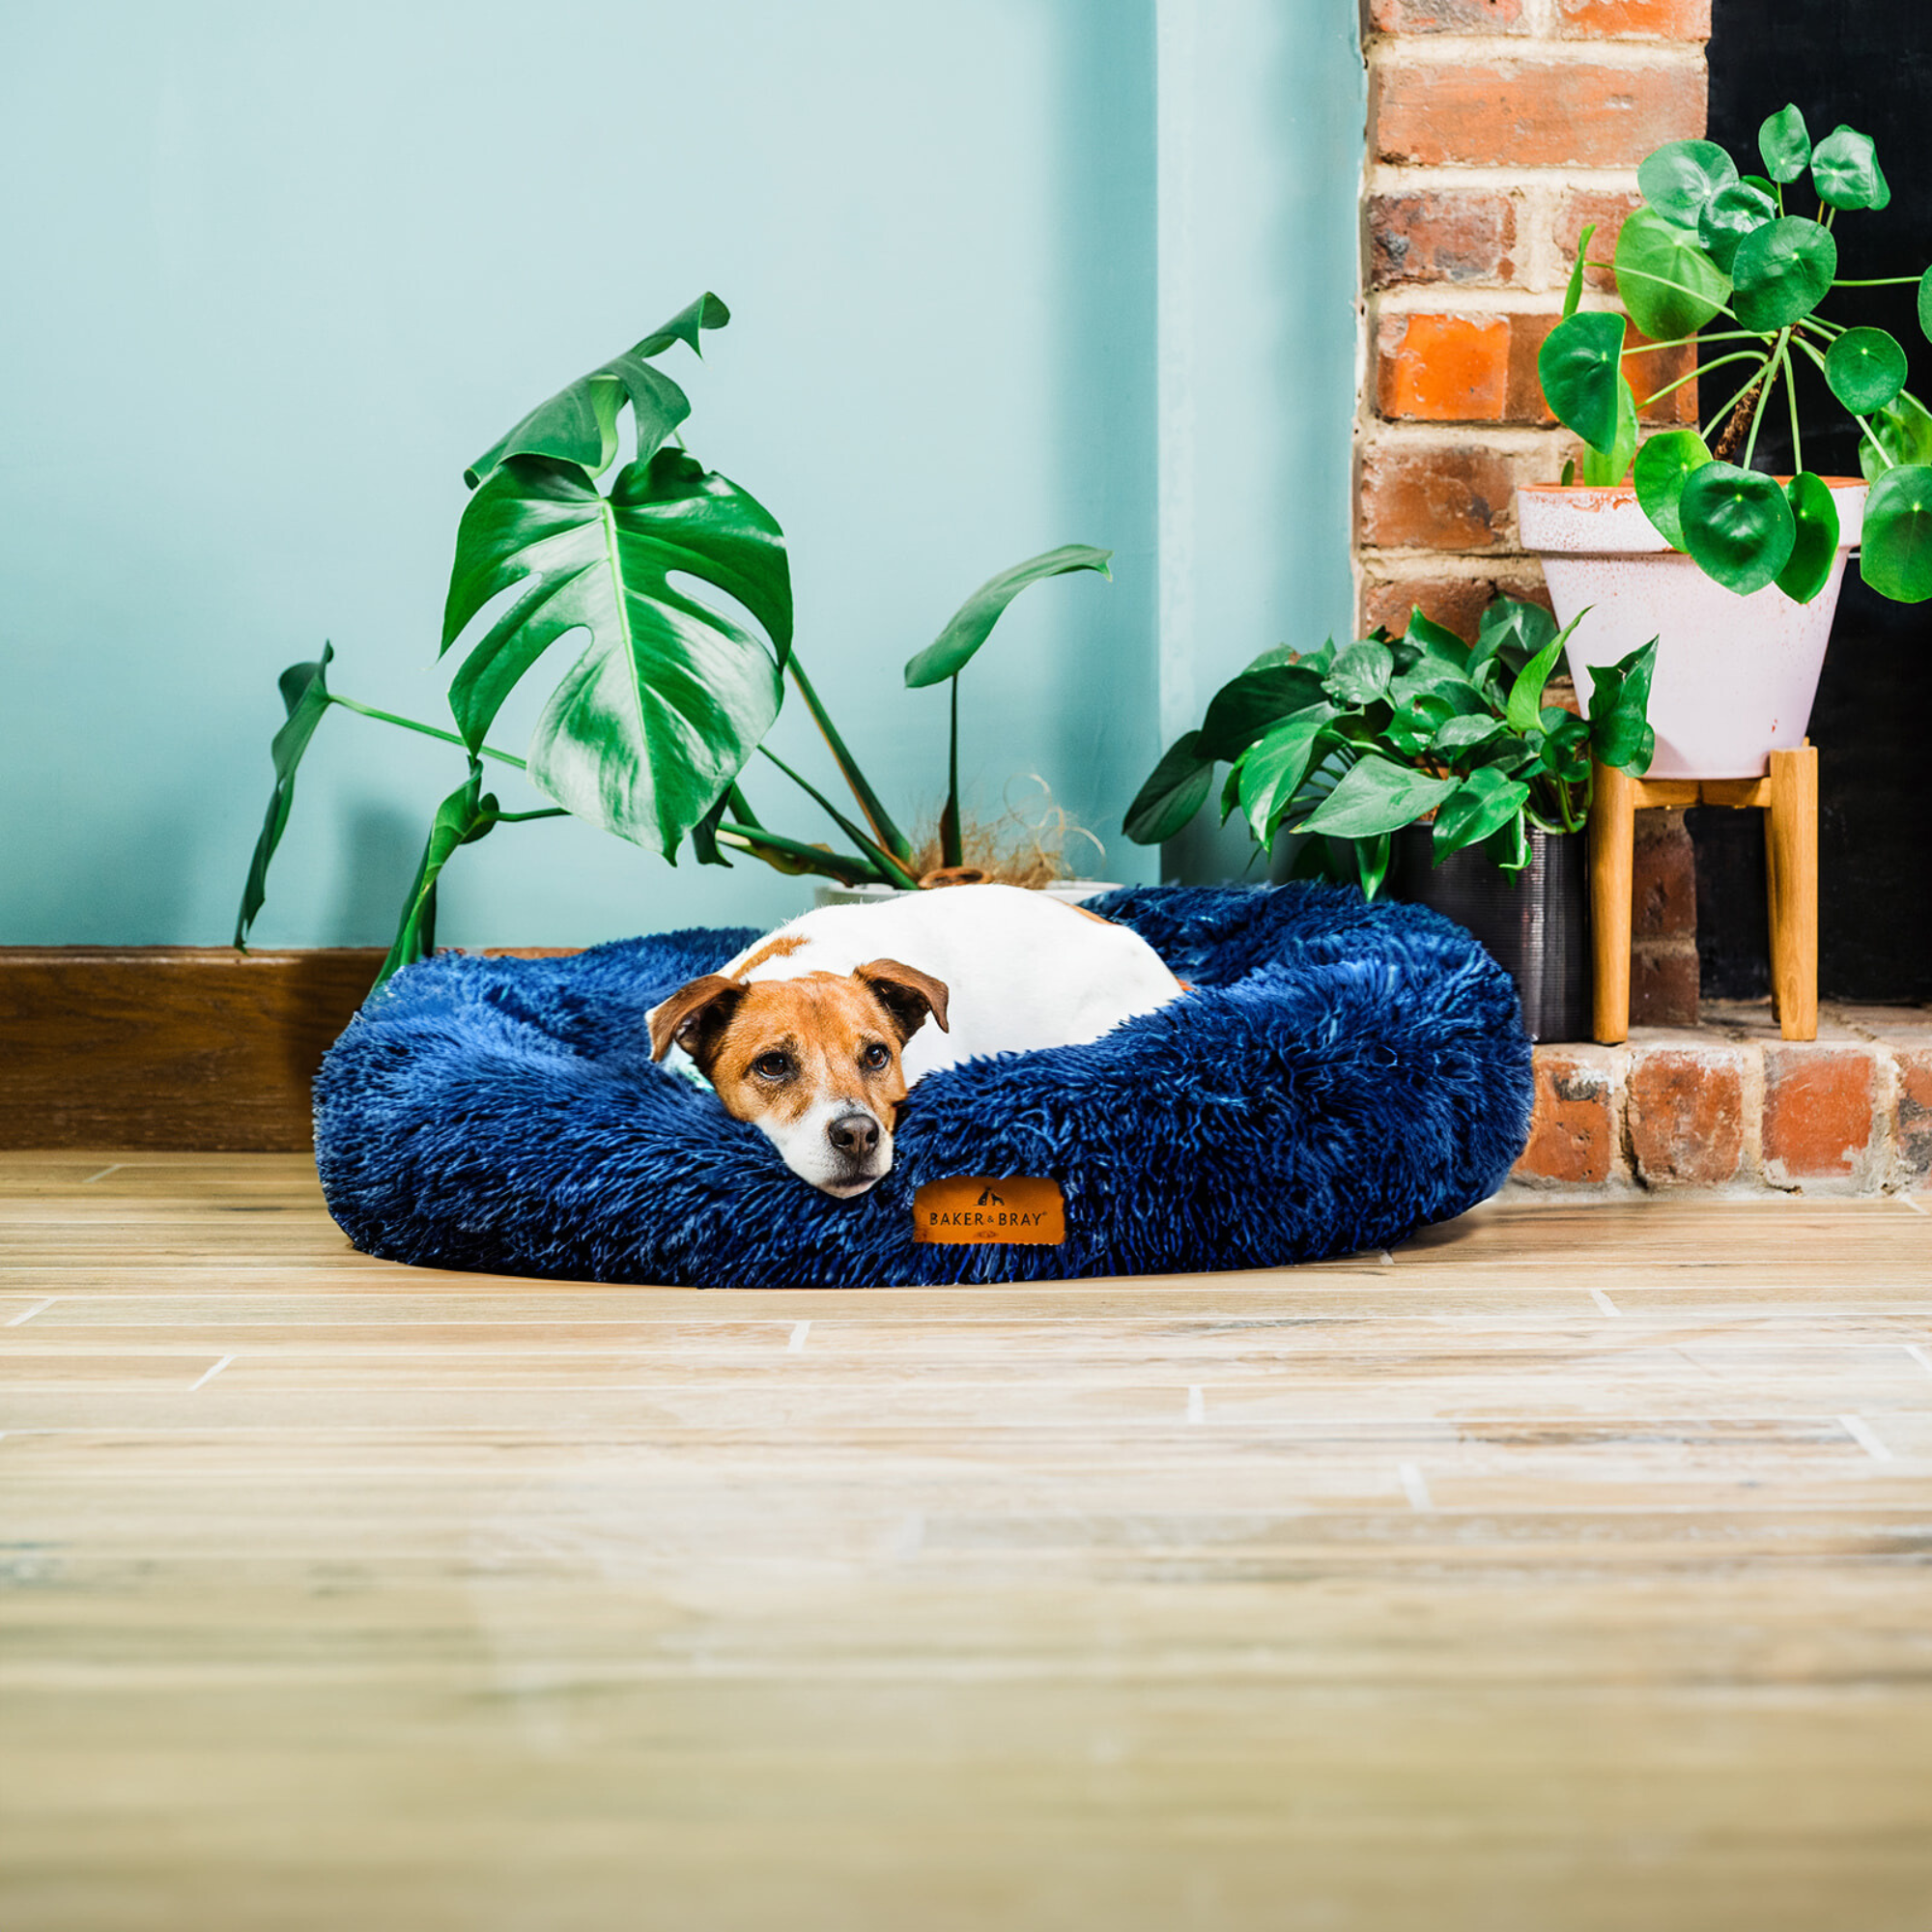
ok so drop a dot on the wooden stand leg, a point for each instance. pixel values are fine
(1791, 849)
(1612, 845)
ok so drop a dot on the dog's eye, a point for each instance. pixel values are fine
(771, 1066)
(877, 1056)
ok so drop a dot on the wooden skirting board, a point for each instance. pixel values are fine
(185, 1047)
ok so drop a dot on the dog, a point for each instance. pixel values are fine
(817, 1032)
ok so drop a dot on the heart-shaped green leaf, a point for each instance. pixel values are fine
(1664, 278)
(669, 697)
(1461, 736)
(1785, 144)
(1620, 732)
(1681, 176)
(1895, 554)
(1578, 368)
(1730, 215)
(1662, 466)
(1604, 468)
(1866, 368)
(1782, 271)
(1925, 304)
(1361, 674)
(579, 424)
(1272, 769)
(1433, 637)
(1249, 707)
(1487, 799)
(1525, 698)
(1737, 525)
(1413, 726)
(1512, 632)
(305, 688)
(1904, 431)
(971, 624)
(1377, 795)
(1175, 789)
(1845, 171)
(1815, 515)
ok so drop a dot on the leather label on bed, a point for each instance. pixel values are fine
(971, 1208)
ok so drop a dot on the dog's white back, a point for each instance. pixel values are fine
(1024, 971)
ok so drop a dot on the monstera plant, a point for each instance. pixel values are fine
(665, 698)
(1713, 244)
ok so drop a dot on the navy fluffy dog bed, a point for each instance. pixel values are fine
(1342, 1075)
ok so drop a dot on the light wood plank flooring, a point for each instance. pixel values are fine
(1569, 1569)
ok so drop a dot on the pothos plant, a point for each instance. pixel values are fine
(1711, 243)
(667, 697)
(1350, 745)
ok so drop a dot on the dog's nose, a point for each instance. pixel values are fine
(854, 1135)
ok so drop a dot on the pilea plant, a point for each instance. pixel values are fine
(667, 697)
(1713, 243)
(1351, 745)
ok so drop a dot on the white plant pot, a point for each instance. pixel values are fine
(1735, 676)
(1070, 892)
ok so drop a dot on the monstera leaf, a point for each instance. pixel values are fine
(579, 424)
(669, 697)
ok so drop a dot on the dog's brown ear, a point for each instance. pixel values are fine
(906, 993)
(694, 1016)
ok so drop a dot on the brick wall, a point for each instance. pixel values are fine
(1497, 129)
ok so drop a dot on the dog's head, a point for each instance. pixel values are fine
(813, 1060)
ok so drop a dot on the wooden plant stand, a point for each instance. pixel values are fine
(1789, 793)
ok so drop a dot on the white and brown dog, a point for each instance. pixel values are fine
(817, 1032)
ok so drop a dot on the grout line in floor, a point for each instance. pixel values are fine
(1865, 1436)
(26, 1314)
(210, 1374)
(1605, 1302)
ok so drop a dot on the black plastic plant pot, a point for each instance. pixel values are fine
(1535, 922)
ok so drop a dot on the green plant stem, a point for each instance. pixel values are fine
(828, 864)
(952, 847)
(1880, 282)
(525, 817)
(1791, 397)
(1715, 420)
(1679, 341)
(1736, 356)
(875, 856)
(1764, 394)
(1884, 454)
(428, 730)
(888, 835)
(1665, 282)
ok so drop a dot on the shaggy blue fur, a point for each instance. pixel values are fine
(1344, 1074)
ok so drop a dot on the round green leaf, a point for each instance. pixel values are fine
(1785, 144)
(1896, 558)
(1730, 215)
(1578, 366)
(1781, 272)
(1737, 525)
(1680, 178)
(1926, 303)
(1611, 467)
(1665, 280)
(1866, 368)
(1845, 170)
(1663, 466)
(1816, 518)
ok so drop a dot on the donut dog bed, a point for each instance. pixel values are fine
(1340, 1075)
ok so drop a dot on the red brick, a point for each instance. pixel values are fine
(1456, 603)
(1443, 368)
(1447, 499)
(1665, 983)
(1817, 1109)
(1646, 374)
(1609, 212)
(1687, 1115)
(1572, 1135)
(1663, 896)
(1652, 19)
(1446, 16)
(1533, 113)
(1440, 237)
(1914, 1112)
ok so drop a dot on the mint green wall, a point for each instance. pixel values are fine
(274, 273)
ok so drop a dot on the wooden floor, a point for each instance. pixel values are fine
(1571, 1568)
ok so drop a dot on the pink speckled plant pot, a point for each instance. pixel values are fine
(1735, 676)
